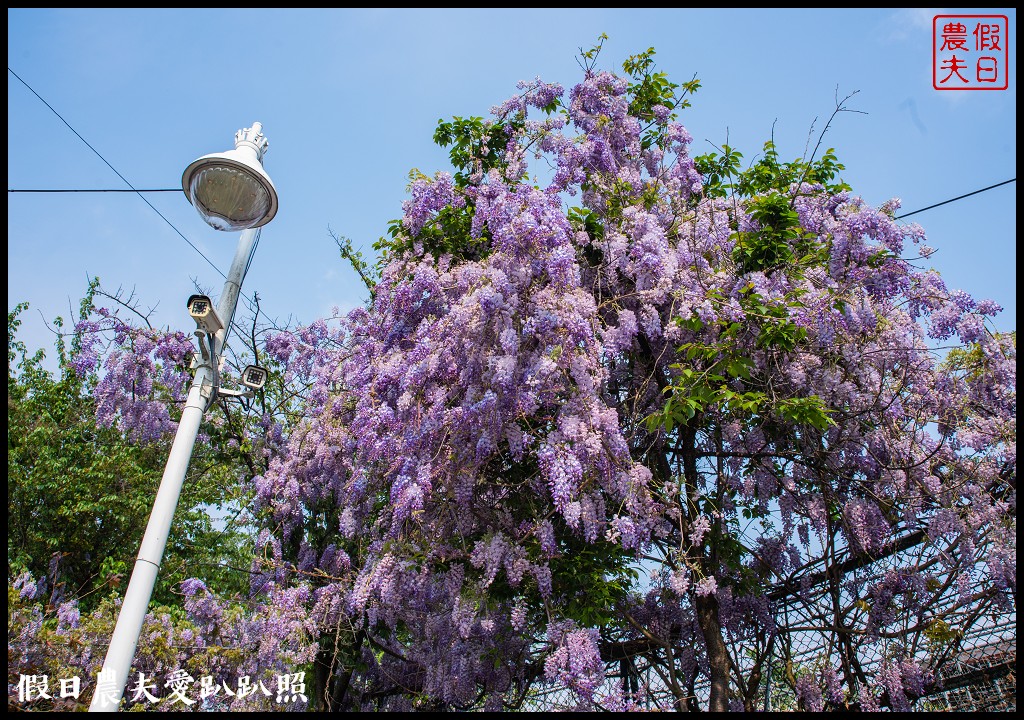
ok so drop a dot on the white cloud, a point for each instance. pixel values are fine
(907, 24)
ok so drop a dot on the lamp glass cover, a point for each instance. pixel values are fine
(228, 198)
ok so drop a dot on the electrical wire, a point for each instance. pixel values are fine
(959, 197)
(93, 191)
(132, 189)
(116, 172)
(898, 217)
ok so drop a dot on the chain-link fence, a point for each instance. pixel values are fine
(982, 677)
(963, 642)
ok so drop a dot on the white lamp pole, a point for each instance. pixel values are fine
(232, 192)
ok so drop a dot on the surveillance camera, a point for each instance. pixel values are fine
(254, 377)
(201, 309)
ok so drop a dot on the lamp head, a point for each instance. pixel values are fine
(231, 190)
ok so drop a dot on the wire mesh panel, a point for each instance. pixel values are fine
(963, 643)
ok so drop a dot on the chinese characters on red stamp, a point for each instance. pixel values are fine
(970, 52)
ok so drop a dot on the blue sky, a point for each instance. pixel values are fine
(349, 100)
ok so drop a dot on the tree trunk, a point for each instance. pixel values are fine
(718, 653)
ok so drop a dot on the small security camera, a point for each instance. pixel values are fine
(254, 377)
(201, 309)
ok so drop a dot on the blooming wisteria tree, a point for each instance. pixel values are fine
(612, 407)
(79, 492)
(200, 655)
(648, 361)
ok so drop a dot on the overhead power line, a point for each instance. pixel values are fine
(898, 217)
(134, 190)
(78, 135)
(959, 197)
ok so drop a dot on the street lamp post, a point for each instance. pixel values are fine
(232, 192)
